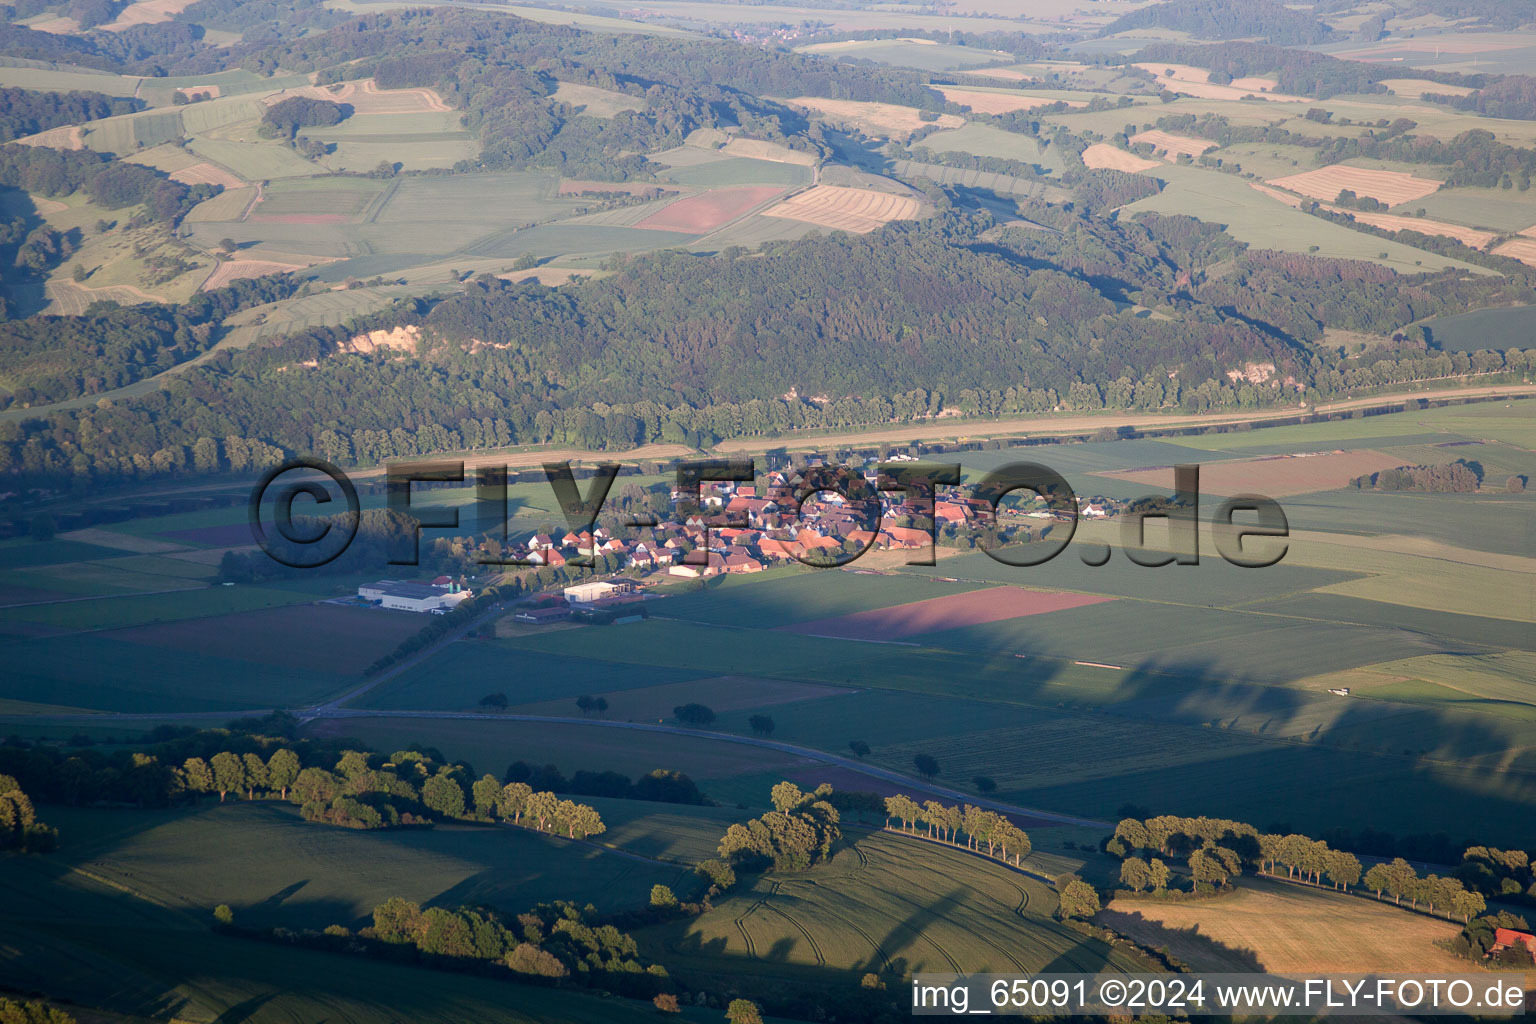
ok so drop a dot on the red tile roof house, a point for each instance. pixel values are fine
(1504, 937)
(951, 512)
(741, 562)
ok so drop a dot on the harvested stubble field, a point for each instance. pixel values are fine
(1276, 476)
(708, 211)
(888, 119)
(1102, 155)
(954, 611)
(757, 149)
(207, 174)
(1388, 222)
(1172, 146)
(147, 12)
(1193, 81)
(1392, 222)
(365, 97)
(69, 136)
(230, 271)
(1288, 929)
(1417, 87)
(1390, 187)
(229, 205)
(846, 209)
(1000, 102)
(1522, 249)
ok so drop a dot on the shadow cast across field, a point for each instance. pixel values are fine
(1188, 944)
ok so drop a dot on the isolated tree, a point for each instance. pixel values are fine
(984, 784)
(228, 773)
(585, 703)
(282, 769)
(762, 725)
(693, 714)
(1078, 899)
(1135, 873)
(223, 915)
(860, 749)
(600, 705)
(661, 896)
(926, 766)
(666, 1002)
(743, 1011)
(494, 700)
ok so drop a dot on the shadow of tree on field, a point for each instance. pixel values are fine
(1188, 944)
(908, 932)
(242, 1012)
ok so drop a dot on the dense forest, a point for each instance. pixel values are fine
(26, 112)
(1273, 22)
(113, 184)
(957, 313)
(49, 358)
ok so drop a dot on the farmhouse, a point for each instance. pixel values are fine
(1506, 937)
(413, 597)
(598, 590)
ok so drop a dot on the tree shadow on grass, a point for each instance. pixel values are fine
(1188, 944)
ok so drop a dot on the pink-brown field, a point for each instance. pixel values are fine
(846, 209)
(206, 174)
(707, 211)
(1522, 249)
(148, 12)
(1390, 187)
(955, 611)
(884, 119)
(1193, 81)
(1171, 146)
(998, 102)
(1389, 222)
(1392, 222)
(1103, 155)
(1276, 476)
(237, 270)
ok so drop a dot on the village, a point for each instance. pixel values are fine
(736, 528)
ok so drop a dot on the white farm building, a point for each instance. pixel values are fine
(412, 597)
